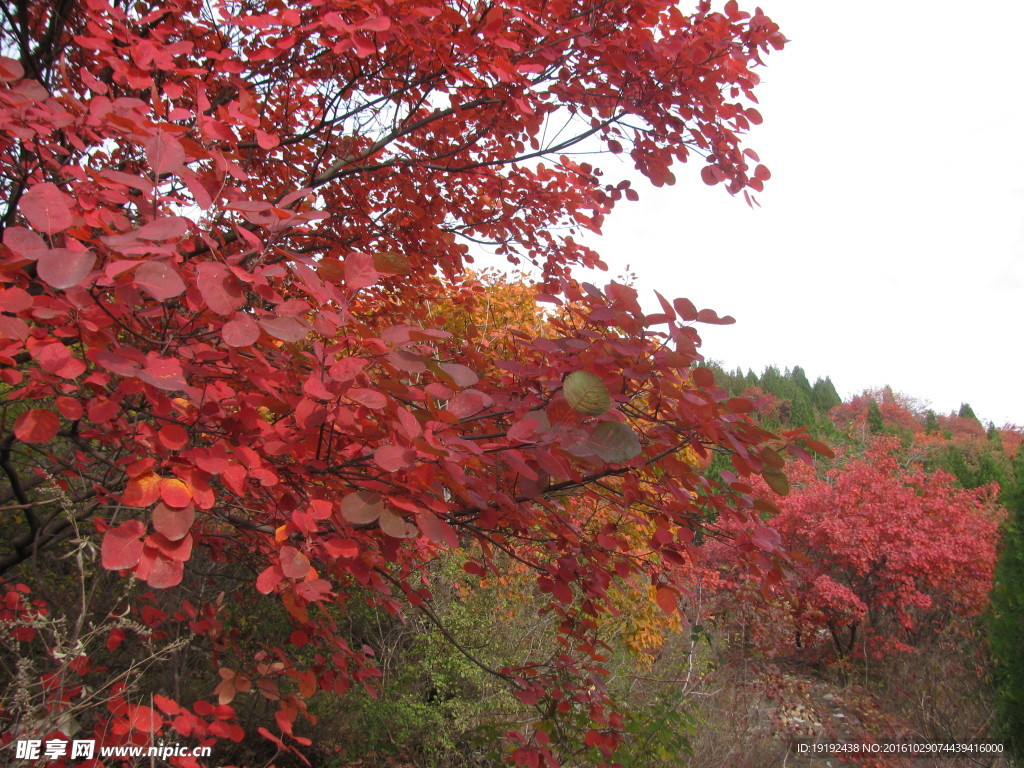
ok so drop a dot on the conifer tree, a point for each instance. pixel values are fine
(1007, 622)
(966, 412)
(875, 421)
(825, 395)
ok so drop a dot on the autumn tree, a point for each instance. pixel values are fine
(885, 550)
(224, 225)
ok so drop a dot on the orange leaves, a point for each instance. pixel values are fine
(142, 490)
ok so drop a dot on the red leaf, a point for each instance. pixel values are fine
(219, 288)
(392, 458)
(175, 550)
(115, 638)
(142, 718)
(165, 228)
(10, 69)
(63, 268)
(165, 572)
(361, 507)
(174, 492)
(460, 375)
(687, 311)
(174, 437)
(166, 705)
(268, 580)
(294, 564)
(142, 490)
(703, 377)
(360, 271)
(561, 591)
(666, 599)
(160, 280)
(266, 140)
(15, 300)
(163, 373)
(241, 331)
(376, 24)
(336, 547)
(371, 398)
(24, 242)
(437, 530)
(740, 405)
(36, 426)
(285, 328)
(122, 546)
(396, 526)
(173, 522)
(47, 208)
(164, 153)
(711, 317)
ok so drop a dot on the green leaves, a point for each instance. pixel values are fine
(776, 480)
(586, 393)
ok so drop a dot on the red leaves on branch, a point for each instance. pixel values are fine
(237, 319)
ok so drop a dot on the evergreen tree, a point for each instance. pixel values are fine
(825, 396)
(802, 413)
(875, 421)
(994, 435)
(966, 412)
(800, 379)
(1006, 627)
(931, 422)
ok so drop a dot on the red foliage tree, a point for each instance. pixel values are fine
(223, 229)
(882, 547)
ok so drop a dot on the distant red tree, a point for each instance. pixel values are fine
(882, 547)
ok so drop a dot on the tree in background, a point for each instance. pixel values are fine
(882, 552)
(226, 227)
(1006, 635)
(876, 422)
(966, 412)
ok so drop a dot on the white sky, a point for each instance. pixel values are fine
(889, 248)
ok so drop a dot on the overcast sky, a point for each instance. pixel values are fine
(889, 248)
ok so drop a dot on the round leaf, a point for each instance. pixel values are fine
(174, 523)
(36, 426)
(160, 280)
(396, 526)
(122, 546)
(361, 507)
(586, 393)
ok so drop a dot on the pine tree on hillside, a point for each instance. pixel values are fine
(1006, 628)
(875, 421)
(993, 434)
(800, 379)
(825, 396)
